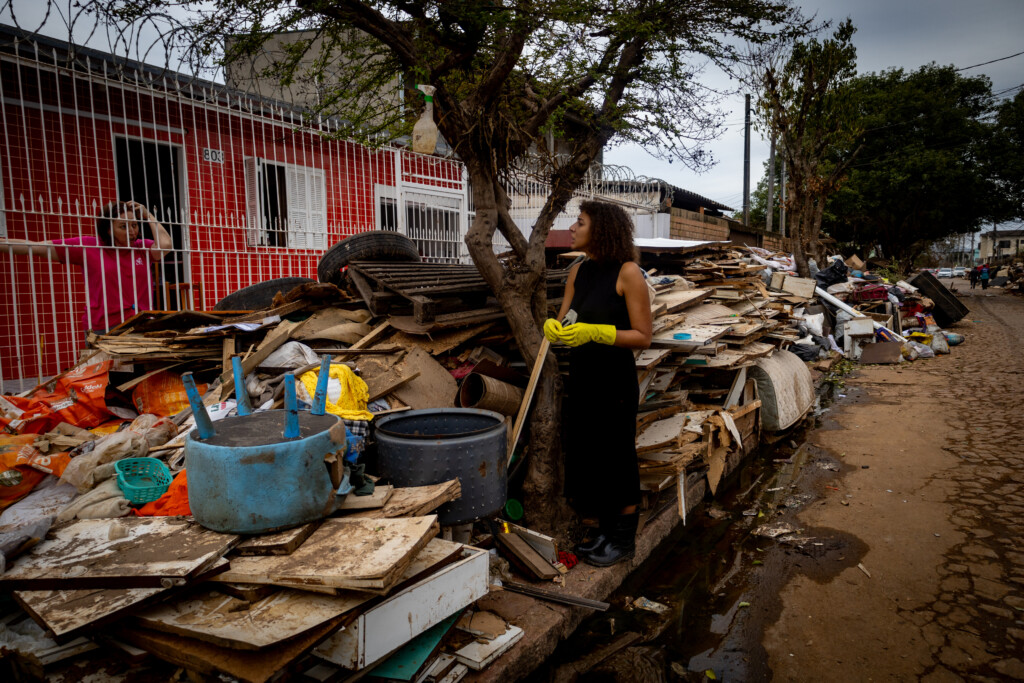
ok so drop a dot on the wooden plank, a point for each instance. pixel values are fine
(531, 388)
(279, 543)
(66, 614)
(381, 494)
(651, 357)
(346, 552)
(81, 555)
(223, 620)
(414, 500)
(802, 287)
(434, 555)
(524, 557)
(676, 300)
(210, 659)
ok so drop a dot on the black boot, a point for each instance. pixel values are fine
(620, 543)
(600, 535)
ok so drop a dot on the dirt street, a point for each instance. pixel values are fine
(929, 502)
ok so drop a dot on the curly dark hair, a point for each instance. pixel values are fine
(105, 221)
(611, 232)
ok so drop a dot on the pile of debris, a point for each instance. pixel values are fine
(371, 585)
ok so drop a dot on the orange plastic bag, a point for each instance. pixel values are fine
(162, 394)
(26, 416)
(18, 474)
(78, 396)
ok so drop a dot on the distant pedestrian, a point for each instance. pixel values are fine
(974, 277)
(984, 276)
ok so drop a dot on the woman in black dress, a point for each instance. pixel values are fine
(605, 315)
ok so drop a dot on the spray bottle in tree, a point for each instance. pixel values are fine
(424, 133)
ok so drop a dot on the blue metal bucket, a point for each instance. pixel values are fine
(249, 479)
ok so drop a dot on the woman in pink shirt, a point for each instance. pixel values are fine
(116, 263)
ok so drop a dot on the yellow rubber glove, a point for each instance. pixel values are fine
(581, 333)
(552, 330)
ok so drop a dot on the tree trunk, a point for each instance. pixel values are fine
(521, 291)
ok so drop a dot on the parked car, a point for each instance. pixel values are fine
(944, 272)
(959, 271)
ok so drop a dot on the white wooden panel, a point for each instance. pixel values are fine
(391, 624)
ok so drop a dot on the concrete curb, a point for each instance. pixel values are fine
(546, 624)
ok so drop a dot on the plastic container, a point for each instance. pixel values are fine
(142, 480)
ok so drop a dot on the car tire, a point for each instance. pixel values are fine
(374, 245)
(260, 295)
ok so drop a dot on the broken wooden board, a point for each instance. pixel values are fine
(435, 554)
(274, 339)
(432, 387)
(706, 312)
(439, 341)
(524, 557)
(81, 555)
(210, 659)
(278, 543)
(336, 324)
(650, 357)
(660, 434)
(380, 496)
(800, 286)
(699, 335)
(358, 554)
(479, 655)
(676, 300)
(67, 613)
(881, 353)
(220, 619)
(414, 500)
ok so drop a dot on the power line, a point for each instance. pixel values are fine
(972, 66)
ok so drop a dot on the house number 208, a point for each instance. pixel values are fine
(214, 155)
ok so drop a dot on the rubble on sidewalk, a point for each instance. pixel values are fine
(731, 325)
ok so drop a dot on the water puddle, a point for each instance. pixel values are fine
(721, 575)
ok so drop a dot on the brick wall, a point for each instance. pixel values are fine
(689, 225)
(775, 242)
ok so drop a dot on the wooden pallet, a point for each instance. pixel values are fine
(434, 289)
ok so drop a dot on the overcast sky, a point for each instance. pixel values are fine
(890, 33)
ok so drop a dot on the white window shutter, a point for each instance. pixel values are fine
(298, 209)
(253, 200)
(317, 211)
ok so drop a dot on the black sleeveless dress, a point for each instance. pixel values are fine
(601, 473)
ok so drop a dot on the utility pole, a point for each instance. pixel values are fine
(746, 163)
(771, 186)
(782, 200)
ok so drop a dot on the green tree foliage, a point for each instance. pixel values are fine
(1006, 157)
(508, 74)
(920, 175)
(806, 103)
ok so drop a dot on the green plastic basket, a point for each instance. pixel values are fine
(142, 480)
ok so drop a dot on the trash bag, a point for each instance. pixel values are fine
(833, 275)
(939, 344)
(920, 350)
(953, 338)
(806, 352)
